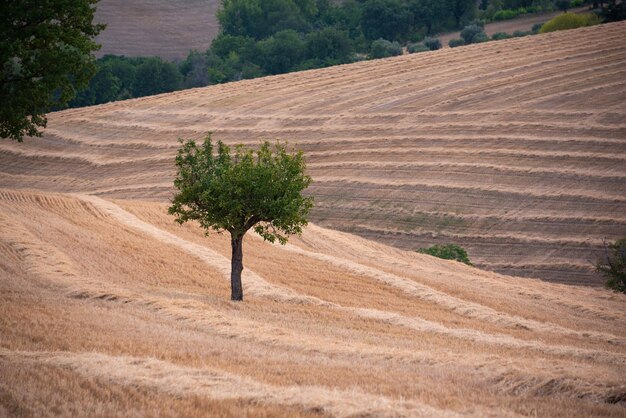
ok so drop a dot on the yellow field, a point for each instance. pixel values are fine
(514, 149)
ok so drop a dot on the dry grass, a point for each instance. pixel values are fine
(109, 308)
(512, 149)
(115, 294)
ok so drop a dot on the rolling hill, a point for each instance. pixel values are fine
(168, 29)
(514, 149)
(109, 308)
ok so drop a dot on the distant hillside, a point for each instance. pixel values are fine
(515, 149)
(169, 29)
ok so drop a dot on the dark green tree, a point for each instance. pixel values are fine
(613, 265)
(103, 87)
(282, 52)
(45, 55)
(237, 192)
(329, 45)
(563, 5)
(387, 19)
(461, 10)
(156, 76)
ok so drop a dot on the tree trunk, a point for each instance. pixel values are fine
(236, 267)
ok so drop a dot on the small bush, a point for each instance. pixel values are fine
(521, 33)
(480, 37)
(613, 265)
(382, 48)
(500, 35)
(570, 21)
(576, 3)
(415, 48)
(477, 22)
(469, 32)
(447, 252)
(432, 43)
(536, 28)
(505, 14)
(453, 43)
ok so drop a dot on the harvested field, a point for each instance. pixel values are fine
(515, 150)
(109, 308)
(168, 29)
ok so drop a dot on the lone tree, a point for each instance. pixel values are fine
(234, 193)
(45, 56)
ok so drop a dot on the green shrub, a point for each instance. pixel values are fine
(521, 33)
(453, 43)
(500, 35)
(613, 265)
(480, 37)
(505, 14)
(570, 21)
(536, 28)
(576, 3)
(469, 32)
(432, 43)
(414, 48)
(382, 48)
(447, 252)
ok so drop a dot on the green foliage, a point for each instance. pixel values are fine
(382, 48)
(282, 52)
(570, 21)
(613, 265)
(239, 191)
(432, 43)
(521, 33)
(473, 34)
(156, 76)
(536, 28)
(614, 11)
(103, 87)
(447, 252)
(45, 51)
(415, 48)
(235, 192)
(329, 45)
(453, 43)
(480, 38)
(500, 35)
(563, 5)
(387, 19)
(260, 19)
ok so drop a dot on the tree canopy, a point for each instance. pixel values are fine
(45, 53)
(260, 190)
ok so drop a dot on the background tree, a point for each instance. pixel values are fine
(613, 265)
(45, 55)
(234, 193)
(563, 5)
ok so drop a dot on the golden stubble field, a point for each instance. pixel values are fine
(515, 149)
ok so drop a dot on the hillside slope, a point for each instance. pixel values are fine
(109, 308)
(168, 29)
(515, 149)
